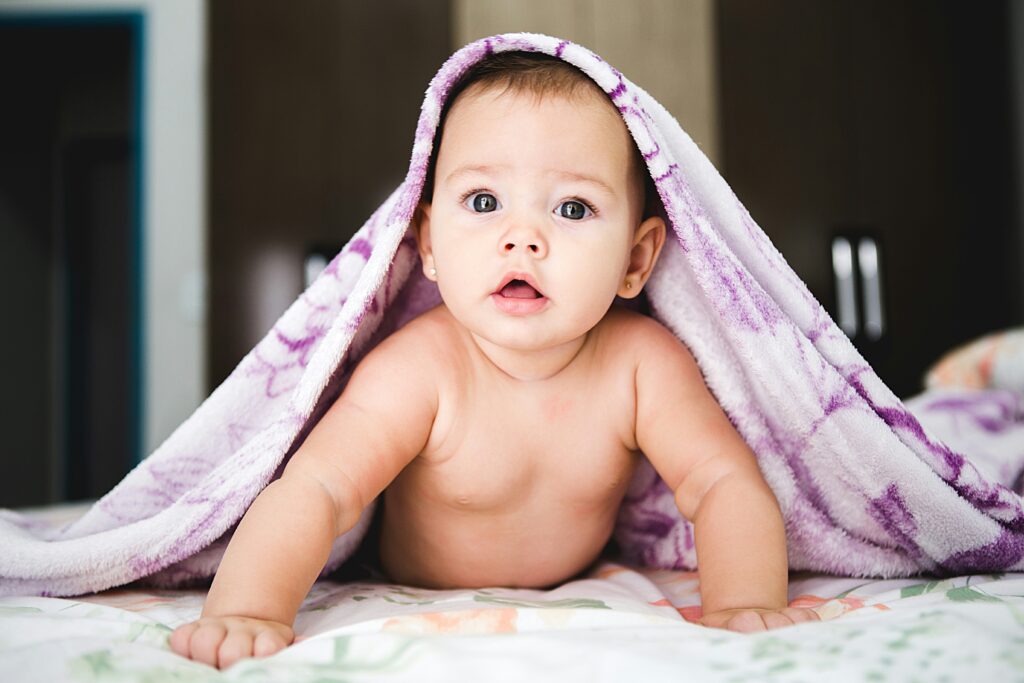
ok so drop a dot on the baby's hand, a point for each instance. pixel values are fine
(752, 620)
(222, 641)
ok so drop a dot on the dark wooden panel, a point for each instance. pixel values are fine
(885, 118)
(313, 108)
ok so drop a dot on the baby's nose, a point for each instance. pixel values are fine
(531, 242)
(529, 245)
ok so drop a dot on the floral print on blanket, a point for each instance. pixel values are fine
(616, 623)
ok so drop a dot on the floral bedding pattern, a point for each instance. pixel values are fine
(615, 623)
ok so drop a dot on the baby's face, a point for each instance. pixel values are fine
(535, 191)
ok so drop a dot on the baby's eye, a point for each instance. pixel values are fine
(573, 209)
(483, 202)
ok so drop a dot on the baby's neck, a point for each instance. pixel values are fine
(530, 366)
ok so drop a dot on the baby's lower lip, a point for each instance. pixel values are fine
(514, 306)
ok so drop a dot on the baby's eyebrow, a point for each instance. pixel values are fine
(585, 179)
(470, 169)
(499, 169)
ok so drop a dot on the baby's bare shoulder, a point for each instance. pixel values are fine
(421, 337)
(421, 349)
(638, 337)
(660, 362)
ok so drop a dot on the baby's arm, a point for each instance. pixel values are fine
(738, 527)
(374, 429)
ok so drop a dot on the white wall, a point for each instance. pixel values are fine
(174, 203)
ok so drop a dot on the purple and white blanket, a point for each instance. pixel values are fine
(866, 488)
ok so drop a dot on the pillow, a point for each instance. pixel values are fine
(994, 361)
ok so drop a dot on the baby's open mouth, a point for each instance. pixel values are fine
(518, 289)
(519, 296)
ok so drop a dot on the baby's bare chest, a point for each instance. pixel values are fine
(498, 452)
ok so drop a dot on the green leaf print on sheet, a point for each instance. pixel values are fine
(413, 598)
(106, 666)
(344, 663)
(969, 594)
(925, 588)
(565, 603)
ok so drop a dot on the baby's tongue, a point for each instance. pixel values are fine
(517, 289)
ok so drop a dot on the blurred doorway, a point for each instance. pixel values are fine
(70, 155)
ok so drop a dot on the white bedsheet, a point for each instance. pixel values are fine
(616, 624)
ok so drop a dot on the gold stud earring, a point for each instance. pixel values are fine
(629, 285)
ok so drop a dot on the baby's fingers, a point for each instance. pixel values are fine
(238, 644)
(180, 638)
(746, 622)
(205, 642)
(801, 614)
(776, 620)
(267, 643)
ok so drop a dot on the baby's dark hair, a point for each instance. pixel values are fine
(538, 74)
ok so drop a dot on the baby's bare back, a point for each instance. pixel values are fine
(520, 482)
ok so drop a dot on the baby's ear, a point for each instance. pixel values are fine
(647, 243)
(421, 229)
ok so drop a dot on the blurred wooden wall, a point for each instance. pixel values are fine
(890, 121)
(889, 118)
(667, 47)
(312, 114)
(313, 106)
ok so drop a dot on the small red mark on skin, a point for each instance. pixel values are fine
(556, 407)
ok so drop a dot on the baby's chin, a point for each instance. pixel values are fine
(529, 333)
(547, 329)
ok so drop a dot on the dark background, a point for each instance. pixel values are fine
(68, 256)
(888, 119)
(299, 155)
(895, 120)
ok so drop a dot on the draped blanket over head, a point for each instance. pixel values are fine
(864, 487)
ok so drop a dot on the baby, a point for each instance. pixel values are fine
(503, 426)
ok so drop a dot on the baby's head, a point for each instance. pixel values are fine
(542, 76)
(535, 177)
